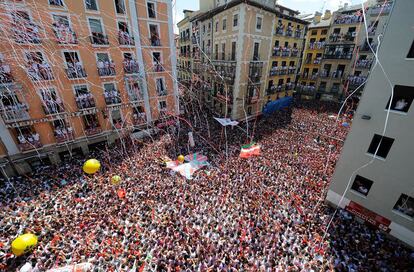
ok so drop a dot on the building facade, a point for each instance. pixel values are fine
(373, 178)
(237, 44)
(76, 73)
(340, 64)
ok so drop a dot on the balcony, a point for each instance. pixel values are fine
(64, 135)
(295, 52)
(73, 73)
(26, 32)
(112, 97)
(99, 39)
(338, 55)
(255, 71)
(289, 32)
(298, 34)
(317, 60)
(131, 67)
(41, 72)
(273, 89)
(64, 34)
(325, 74)
(355, 81)
(195, 40)
(285, 52)
(346, 19)
(291, 70)
(335, 37)
(52, 107)
(383, 9)
(314, 76)
(335, 89)
(363, 64)
(155, 41)
(158, 67)
(280, 30)
(85, 101)
(92, 131)
(276, 52)
(304, 76)
(139, 119)
(317, 45)
(337, 74)
(5, 74)
(349, 36)
(306, 89)
(14, 113)
(30, 144)
(365, 47)
(107, 71)
(224, 58)
(124, 38)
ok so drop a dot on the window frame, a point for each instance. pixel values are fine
(155, 9)
(358, 177)
(259, 16)
(380, 141)
(90, 10)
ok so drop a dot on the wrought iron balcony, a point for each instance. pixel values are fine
(363, 63)
(126, 40)
(111, 99)
(52, 107)
(92, 131)
(99, 39)
(65, 35)
(85, 102)
(155, 41)
(73, 73)
(17, 112)
(30, 145)
(64, 136)
(158, 67)
(131, 67)
(107, 71)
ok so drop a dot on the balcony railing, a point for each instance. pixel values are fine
(125, 39)
(289, 32)
(365, 47)
(131, 67)
(136, 95)
(382, 9)
(337, 74)
(314, 76)
(222, 96)
(85, 102)
(317, 60)
(29, 145)
(99, 39)
(107, 71)
(92, 131)
(280, 30)
(26, 32)
(225, 58)
(65, 135)
(324, 74)
(155, 41)
(298, 34)
(295, 52)
(195, 40)
(18, 112)
(363, 64)
(305, 88)
(158, 67)
(5, 74)
(41, 73)
(317, 45)
(348, 19)
(335, 37)
(338, 55)
(356, 80)
(111, 99)
(139, 119)
(65, 35)
(73, 73)
(52, 107)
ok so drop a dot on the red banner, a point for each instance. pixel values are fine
(369, 216)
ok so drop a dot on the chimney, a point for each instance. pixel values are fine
(327, 15)
(317, 17)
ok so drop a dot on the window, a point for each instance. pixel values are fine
(411, 52)
(116, 118)
(224, 24)
(223, 51)
(120, 6)
(235, 20)
(160, 85)
(154, 36)
(56, 3)
(233, 51)
(403, 97)
(151, 10)
(362, 185)
(111, 94)
(83, 97)
(163, 105)
(314, 32)
(249, 110)
(91, 5)
(324, 31)
(52, 104)
(256, 51)
(384, 144)
(259, 23)
(405, 205)
(217, 25)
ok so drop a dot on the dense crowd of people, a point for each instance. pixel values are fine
(265, 213)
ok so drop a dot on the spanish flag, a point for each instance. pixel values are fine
(250, 150)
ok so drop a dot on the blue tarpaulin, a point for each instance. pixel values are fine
(277, 105)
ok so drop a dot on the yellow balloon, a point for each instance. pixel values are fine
(181, 158)
(23, 244)
(115, 180)
(91, 166)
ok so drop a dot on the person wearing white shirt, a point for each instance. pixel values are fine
(401, 104)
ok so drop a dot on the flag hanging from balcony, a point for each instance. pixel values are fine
(250, 150)
(226, 121)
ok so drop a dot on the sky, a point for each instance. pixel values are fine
(304, 6)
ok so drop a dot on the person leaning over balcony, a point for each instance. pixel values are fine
(101, 66)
